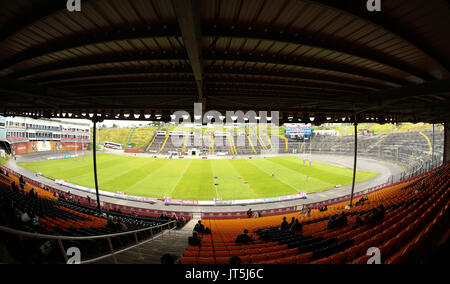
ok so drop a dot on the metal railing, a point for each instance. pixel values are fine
(170, 226)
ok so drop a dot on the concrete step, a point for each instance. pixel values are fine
(170, 241)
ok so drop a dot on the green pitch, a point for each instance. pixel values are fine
(194, 179)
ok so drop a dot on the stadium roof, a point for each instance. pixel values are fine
(324, 58)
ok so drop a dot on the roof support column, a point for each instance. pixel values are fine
(94, 151)
(446, 143)
(354, 162)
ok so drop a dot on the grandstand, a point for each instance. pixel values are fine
(334, 113)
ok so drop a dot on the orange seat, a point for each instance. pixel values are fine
(222, 260)
(303, 258)
(190, 253)
(193, 248)
(222, 253)
(188, 260)
(353, 253)
(266, 250)
(221, 248)
(288, 260)
(361, 260)
(237, 253)
(325, 260)
(206, 254)
(258, 258)
(206, 260)
(290, 252)
(234, 247)
(269, 261)
(251, 251)
(338, 258)
(246, 259)
(275, 255)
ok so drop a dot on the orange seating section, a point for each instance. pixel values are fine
(402, 229)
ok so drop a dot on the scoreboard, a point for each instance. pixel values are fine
(298, 132)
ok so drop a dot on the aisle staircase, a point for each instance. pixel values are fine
(130, 136)
(169, 241)
(186, 139)
(263, 146)
(151, 142)
(232, 145)
(251, 144)
(164, 144)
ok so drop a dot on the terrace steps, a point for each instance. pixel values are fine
(169, 241)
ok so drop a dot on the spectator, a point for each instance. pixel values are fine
(265, 236)
(342, 219)
(308, 212)
(169, 259)
(110, 223)
(244, 238)
(200, 228)
(374, 216)
(291, 224)
(359, 222)
(284, 227)
(123, 226)
(332, 222)
(194, 240)
(382, 211)
(297, 227)
(249, 213)
(21, 180)
(235, 260)
(34, 220)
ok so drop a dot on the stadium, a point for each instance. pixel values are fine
(224, 132)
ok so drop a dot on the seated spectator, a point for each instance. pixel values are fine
(266, 235)
(34, 220)
(297, 227)
(308, 212)
(332, 222)
(244, 238)
(342, 221)
(169, 259)
(284, 227)
(195, 240)
(200, 228)
(291, 224)
(235, 260)
(110, 223)
(359, 222)
(123, 226)
(374, 216)
(382, 211)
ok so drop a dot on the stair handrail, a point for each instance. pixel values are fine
(107, 237)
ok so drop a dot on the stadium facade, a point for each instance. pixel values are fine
(27, 135)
